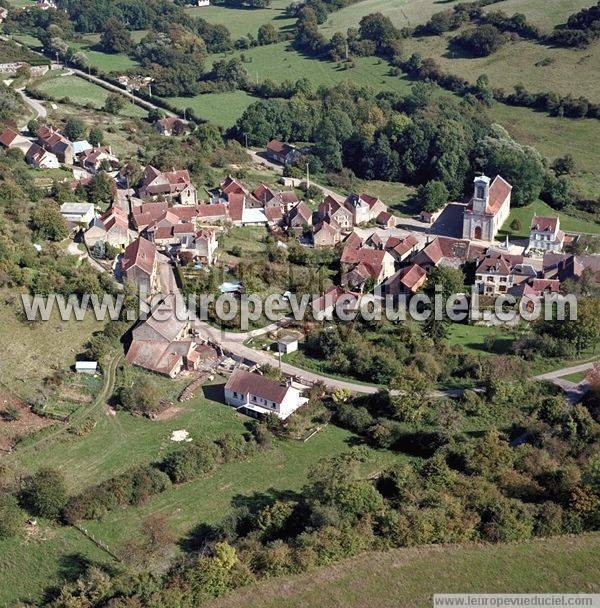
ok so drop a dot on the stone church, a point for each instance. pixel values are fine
(487, 210)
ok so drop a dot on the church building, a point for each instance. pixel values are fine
(487, 210)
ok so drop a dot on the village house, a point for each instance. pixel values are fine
(212, 214)
(93, 159)
(326, 235)
(488, 209)
(140, 264)
(11, 139)
(78, 214)
(171, 125)
(334, 212)
(39, 158)
(401, 248)
(112, 227)
(364, 208)
(446, 251)
(361, 265)
(567, 266)
(300, 216)
(57, 144)
(407, 280)
(172, 186)
(163, 343)
(498, 272)
(282, 153)
(270, 198)
(545, 234)
(386, 220)
(257, 395)
(324, 306)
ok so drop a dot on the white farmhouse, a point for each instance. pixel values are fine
(545, 234)
(257, 395)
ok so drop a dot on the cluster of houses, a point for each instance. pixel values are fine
(399, 261)
(164, 220)
(50, 149)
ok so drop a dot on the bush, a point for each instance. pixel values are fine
(45, 493)
(11, 516)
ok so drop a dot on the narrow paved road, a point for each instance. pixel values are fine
(233, 343)
(34, 104)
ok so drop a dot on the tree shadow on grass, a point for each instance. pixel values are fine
(71, 566)
(236, 522)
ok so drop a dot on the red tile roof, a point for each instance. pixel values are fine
(254, 384)
(7, 137)
(544, 224)
(140, 253)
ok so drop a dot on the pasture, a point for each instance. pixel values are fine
(537, 66)
(555, 137)
(81, 92)
(410, 577)
(221, 109)
(403, 13)
(242, 21)
(32, 351)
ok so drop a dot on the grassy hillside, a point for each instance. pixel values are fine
(568, 223)
(554, 137)
(81, 92)
(403, 13)
(542, 13)
(538, 67)
(241, 21)
(280, 62)
(409, 577)
(221, 109)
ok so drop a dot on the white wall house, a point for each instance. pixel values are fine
(545, 234)
(257, 395)
(78, 213)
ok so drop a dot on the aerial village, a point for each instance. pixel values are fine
(164, 222)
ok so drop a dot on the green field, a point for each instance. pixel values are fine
(541, 13)
(554, 137)
(242, 21)
(568, 223)
(119, 441)
(403, 13)
(523, 61)
(409, 577)
(471, 338)
(280, 62)
(105, 62)
(32, 351)
(46, 554)
(81, 92)
(577, 377)
(221, 109)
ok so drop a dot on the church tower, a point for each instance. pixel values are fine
(481, 196)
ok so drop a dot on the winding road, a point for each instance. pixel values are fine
(234, 343)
